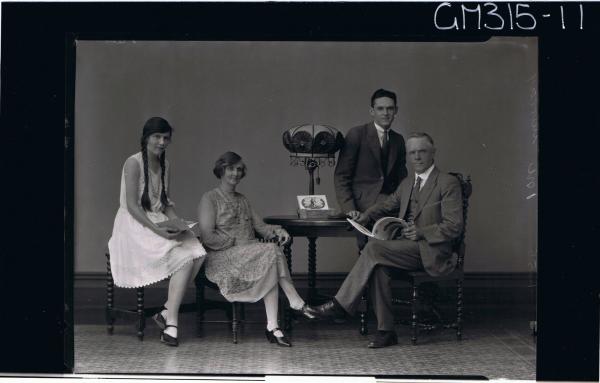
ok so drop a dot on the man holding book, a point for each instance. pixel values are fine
(431, 203)
(372, 161)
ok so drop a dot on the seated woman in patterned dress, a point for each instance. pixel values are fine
(244, 269)
(141, 251)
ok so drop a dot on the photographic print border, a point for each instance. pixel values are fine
(35, 102)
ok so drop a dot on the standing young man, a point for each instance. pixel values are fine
(372, 163)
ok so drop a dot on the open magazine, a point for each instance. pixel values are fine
(384, 228)
(177, 224)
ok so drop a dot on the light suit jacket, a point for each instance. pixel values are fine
(439, 216)
(358, 176)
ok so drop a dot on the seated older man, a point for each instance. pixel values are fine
(431, 202)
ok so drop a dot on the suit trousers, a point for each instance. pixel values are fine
(371, 269)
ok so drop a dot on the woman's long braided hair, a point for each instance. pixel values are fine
(154, 125)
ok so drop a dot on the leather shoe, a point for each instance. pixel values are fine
(160, 320)
(281, 341)
(308, 312)
(330, 309)
(168, 339)
(384, 339)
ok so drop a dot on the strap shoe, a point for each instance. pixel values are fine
(168, 339)
(281, 341)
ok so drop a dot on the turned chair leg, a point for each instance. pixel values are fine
(140, 313)
(285, 313)
(234, 321)
(459, 309)
(110, 287)
(288, 315)
(242, 320)
(287, 318)
(200, 310)
(414, 309)
(364, 310)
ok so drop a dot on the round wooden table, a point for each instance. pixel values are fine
(311, 228)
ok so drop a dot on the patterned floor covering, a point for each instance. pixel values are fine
(494, 347)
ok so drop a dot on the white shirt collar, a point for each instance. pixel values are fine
(381, 132)
(425, 175)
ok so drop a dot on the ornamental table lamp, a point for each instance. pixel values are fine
(312, 146)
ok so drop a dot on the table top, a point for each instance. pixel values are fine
(294, 220)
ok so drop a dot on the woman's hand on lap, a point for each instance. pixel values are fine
(167, 232)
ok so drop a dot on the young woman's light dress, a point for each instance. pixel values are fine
(243, 268)
(138, 256)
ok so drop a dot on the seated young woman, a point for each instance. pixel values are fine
(143, 252)
(245, 269)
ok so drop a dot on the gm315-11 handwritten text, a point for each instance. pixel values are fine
(505, 16)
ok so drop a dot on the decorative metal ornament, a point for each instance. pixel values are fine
(312, 146)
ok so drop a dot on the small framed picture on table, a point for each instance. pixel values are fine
(313, 206)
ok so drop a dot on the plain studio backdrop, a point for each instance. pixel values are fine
(477, 100)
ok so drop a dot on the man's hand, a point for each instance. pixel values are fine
(358, 217)
(412, 232)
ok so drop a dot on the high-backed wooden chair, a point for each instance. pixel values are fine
(417, 278)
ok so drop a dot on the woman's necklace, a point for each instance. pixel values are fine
(231, 198)
(154, 181)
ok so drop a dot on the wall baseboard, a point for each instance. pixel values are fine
(338, 276)
(479, 287)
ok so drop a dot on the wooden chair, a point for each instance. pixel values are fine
(140, 312)
(236, 311)
(113, 312)
(417, 278)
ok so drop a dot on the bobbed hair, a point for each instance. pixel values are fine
(225, 160)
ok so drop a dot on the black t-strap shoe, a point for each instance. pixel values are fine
(168, 339)
(281, 341)
(160, 320)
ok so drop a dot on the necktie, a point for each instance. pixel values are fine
(416, 189)
(385, 150)
(385, 144)
(414, 200)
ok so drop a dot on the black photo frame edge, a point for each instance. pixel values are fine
(37, 115)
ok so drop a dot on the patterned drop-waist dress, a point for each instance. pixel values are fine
(243, 268)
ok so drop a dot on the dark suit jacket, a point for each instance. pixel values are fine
(358, 176)
(439, 216)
